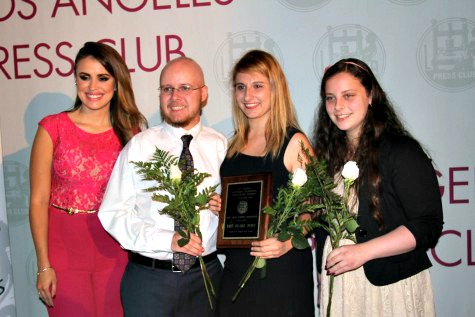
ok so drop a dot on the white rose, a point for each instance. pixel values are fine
(175, 172)
(350, 171)
(299, 177)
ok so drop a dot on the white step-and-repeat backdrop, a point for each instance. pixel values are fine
(422, 51)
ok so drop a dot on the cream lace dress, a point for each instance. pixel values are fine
(355, 296)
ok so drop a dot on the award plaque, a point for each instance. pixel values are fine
(242, 219)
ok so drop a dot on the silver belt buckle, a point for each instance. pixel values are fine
(175, 268)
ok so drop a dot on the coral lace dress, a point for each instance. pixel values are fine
(88, 262)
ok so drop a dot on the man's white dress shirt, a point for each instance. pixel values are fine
(128, 212)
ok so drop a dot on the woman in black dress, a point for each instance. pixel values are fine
(267, 138)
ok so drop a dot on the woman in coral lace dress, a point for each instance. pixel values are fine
(79, 265)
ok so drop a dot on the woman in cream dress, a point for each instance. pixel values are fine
(396, 197)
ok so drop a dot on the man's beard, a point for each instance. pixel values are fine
(176, 124)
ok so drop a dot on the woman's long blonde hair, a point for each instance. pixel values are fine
(282, 112)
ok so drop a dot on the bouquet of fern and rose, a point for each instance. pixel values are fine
(285, 220)
(309, 191)
(179, 191)
(335, 215)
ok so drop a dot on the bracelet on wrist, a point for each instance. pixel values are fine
(44, 269)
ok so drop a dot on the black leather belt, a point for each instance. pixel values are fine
(166, 264)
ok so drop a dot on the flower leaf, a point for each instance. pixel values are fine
(196, 219)
(183, 234)
(201, 199)
(300, 242)
(283, 236)
(270, 211)
(351, 225)
(182, 242)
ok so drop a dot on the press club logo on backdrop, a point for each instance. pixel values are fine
(445, 54)
(235, 45)
(304, 5)
(17, 191)
(349, 40)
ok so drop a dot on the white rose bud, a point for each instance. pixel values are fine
(299, 177)
(350, 171)
(175, 172)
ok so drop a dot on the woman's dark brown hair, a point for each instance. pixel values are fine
(381, 120)
(125, 116)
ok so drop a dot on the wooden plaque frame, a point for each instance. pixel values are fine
(242, 219)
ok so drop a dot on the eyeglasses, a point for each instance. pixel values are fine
(182, 89)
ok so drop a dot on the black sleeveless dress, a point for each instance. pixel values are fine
(287, 289)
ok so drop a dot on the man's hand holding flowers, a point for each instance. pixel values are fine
(193, 247)
(214, 204)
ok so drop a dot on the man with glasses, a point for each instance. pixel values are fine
(153, 283)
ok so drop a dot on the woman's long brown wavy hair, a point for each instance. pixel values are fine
(125, 116)
(381, 120)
